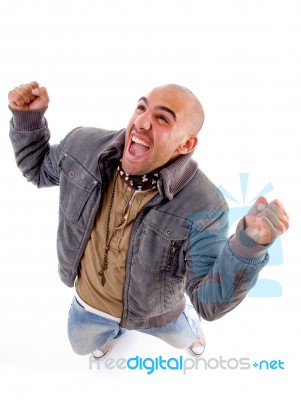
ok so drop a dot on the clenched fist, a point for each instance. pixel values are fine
(29, 96)
(265, 221)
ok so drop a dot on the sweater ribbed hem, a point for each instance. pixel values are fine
(245, 248)
(28, 121)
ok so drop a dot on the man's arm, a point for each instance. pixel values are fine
(30, 135)
(221, 272)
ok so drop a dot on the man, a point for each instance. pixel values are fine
(139, 223)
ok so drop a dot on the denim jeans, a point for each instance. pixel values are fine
(88, 332)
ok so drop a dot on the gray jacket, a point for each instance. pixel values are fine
(178, 242)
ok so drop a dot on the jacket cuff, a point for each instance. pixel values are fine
(29, 120)
(245, 248)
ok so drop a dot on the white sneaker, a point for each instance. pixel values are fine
(197, 348)
(103, 351)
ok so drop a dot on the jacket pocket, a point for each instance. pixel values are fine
(162, 239)
(163, 247)
(76, 185)
(169, 227)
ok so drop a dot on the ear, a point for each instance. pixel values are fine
(188, 146)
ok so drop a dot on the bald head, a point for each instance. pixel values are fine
(194, 110)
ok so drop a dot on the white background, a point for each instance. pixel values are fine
(242, 59)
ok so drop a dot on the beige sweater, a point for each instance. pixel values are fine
(126, 205)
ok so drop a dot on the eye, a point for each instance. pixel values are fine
(140, 107)
(163, 119)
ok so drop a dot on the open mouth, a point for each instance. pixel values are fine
(138, 147)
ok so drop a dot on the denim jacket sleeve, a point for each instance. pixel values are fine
(220, 271)
(37, 160)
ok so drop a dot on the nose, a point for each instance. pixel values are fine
(143, 122)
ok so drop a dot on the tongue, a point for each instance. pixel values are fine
(138, 149)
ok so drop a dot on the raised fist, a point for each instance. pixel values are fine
(29, 96)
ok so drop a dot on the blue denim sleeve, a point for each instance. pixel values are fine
(220, 271)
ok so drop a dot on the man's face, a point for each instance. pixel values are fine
(156, 130)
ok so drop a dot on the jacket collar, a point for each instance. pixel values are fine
(174, 176)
